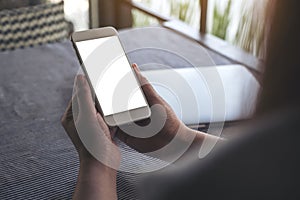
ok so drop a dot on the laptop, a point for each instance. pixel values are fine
(207, 94)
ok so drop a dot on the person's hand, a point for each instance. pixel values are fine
(99, 156)
(89, 133)
(163, 113)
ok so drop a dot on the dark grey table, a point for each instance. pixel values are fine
(37, 159)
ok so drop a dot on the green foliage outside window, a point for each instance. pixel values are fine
(221, 21)
(250, 30)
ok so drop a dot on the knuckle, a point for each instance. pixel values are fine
(83, 91)
(63, 122)
(63, 118)
(144, 79)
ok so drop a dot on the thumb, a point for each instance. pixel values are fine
(84, 97)
(150, 93)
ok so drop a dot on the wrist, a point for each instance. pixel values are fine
(92, 164)
(95, 181)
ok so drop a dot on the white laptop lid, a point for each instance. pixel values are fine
(207, 94)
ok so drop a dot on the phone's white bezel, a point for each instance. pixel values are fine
(118, 118)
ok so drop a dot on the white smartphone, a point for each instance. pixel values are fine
(119, 97)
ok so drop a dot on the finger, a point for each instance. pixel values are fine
(141, 78)
(109, 132)
(150, 93)
(113, 131)
(84, 96)
(69, 124)
(142, 145)
(135, 143)
(68, 115)
(103, 125)
(75, 107)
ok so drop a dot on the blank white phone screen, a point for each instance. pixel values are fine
(111, 75)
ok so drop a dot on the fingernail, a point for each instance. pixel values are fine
(79, 80)
(134, 65)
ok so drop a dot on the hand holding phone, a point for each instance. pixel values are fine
(171, 124)
(119, 97)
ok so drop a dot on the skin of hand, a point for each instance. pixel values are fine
(166, 134)
(172, 126)
(96, 180)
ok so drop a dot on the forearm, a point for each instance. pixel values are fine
(95, 181)
(201, 141)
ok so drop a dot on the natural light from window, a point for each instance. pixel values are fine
(76, 11)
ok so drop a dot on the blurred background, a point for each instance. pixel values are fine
(240, 22)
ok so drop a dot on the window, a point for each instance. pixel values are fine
(240, 22)
(184, 10)
(77, 11)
